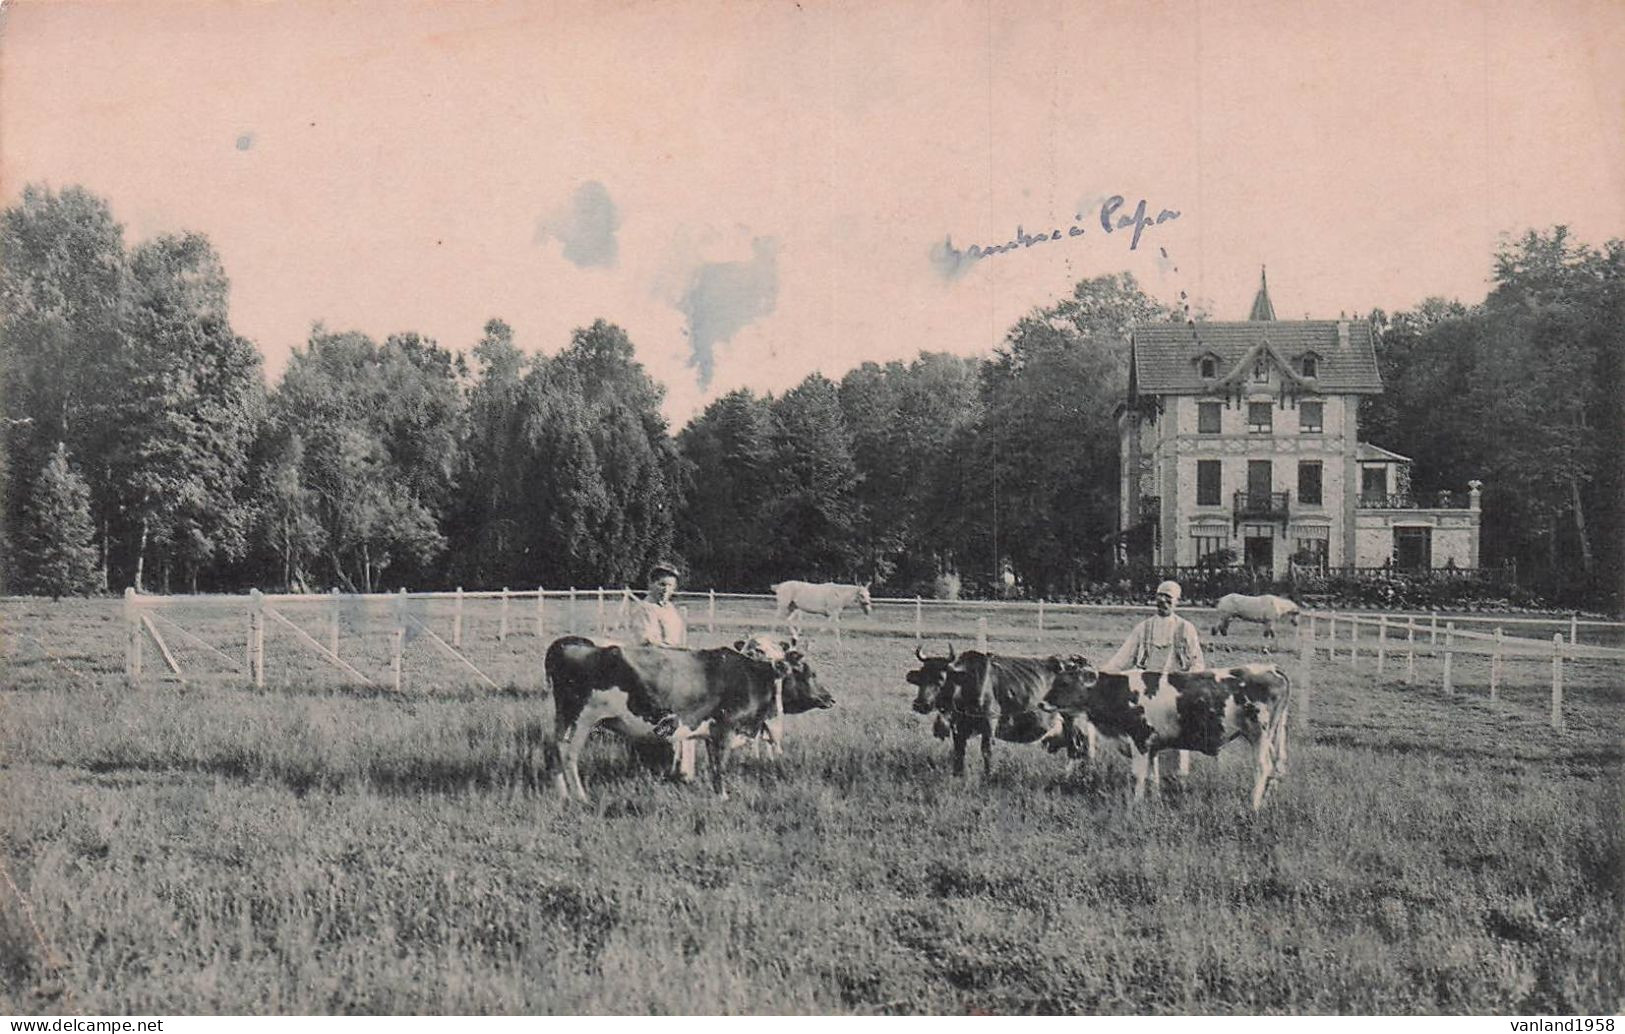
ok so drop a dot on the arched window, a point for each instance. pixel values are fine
(1309, 366)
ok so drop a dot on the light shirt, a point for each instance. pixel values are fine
(1159, 644)
(656, 625)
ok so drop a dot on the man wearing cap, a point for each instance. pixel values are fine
(1164, 642)
(654, 620)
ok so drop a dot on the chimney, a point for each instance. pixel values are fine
(1342, 333)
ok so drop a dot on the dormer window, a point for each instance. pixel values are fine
(1210, 366)
(1310, 364)
(1261, 370)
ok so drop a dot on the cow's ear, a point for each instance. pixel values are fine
(782, 667)
(739, 644)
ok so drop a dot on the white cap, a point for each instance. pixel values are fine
(1171, 588)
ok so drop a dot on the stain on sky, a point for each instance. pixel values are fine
(950, 262)
(586, 227)
(245, 141)
(725, 297)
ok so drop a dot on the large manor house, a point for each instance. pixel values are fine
(1244, 436)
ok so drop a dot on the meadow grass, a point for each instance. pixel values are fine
(317, 847)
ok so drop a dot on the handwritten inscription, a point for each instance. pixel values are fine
(1113, 219)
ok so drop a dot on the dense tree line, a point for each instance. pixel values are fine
(1523, 391)
(142, 446)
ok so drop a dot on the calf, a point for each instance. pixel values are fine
(1148, 711)
(638, 690)
(968, 690)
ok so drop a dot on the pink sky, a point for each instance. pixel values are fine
(784, 170)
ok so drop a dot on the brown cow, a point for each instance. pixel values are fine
(988, 695)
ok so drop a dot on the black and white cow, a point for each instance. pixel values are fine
(1148, 711)
(638, 691)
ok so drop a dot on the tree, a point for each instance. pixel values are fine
(814, 509)
(1048, 446)
(63, 291)
(902, 420)
(372, 471)
(606, 472)
(1522, 392)
(725, 536)
(58, 556)
(484, 526)
(188, 412)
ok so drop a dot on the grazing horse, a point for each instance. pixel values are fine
(1265, 610)
(825, 600)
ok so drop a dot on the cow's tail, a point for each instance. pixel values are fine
(1281, 722)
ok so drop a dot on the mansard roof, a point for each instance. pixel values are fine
(1165, 355)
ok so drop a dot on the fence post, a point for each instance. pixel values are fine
(457, 619)
(1557, 681)
(333, 622)
(1433, 627)
(711, 609)
(132, 652)
(502, 626)
(1382, 642)
(1331, 637)
(600, 612)
(541, 613)
(919, 631)
(1574, 628)
(981, 634)
(684, 611)
(256, 637)
(1306, 678)
(400, 639)
(1040, 615)
(1449, 653)
(1495, 666)
(1410, 650)
(570, 622)
(1354, 642)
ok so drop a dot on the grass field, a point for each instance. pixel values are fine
(317, 847)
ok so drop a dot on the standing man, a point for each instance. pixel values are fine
(654, 620)
(1163, 642)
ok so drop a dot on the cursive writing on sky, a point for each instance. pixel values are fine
(1113, 220)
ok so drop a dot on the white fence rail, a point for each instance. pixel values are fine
(1386, 637)
(443, 621)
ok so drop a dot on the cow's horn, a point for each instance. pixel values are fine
(951, 654)
(919, 655)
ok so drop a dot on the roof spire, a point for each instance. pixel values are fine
(1262, 309)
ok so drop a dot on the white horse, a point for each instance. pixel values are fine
(827, 600)
(1265, 610)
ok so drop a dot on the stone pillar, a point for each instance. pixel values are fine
(1475, 504)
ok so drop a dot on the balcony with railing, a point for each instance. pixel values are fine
(1267, 506)
(1415, 501)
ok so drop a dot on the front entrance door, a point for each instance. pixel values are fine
(1260, 553)
(1413, 549)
